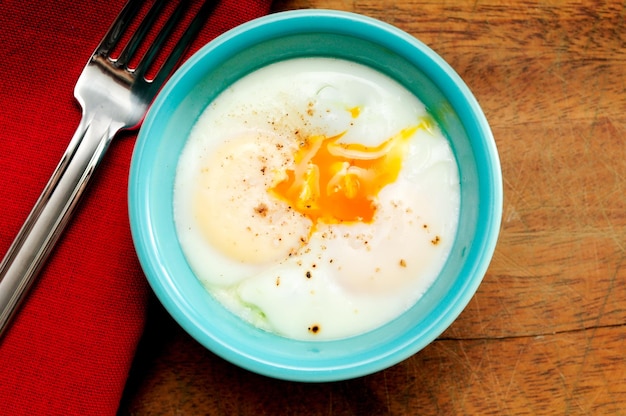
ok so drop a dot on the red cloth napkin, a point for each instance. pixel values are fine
(70, 348)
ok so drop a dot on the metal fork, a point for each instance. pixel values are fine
(113, 97)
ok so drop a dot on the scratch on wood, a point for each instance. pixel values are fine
(512, 377)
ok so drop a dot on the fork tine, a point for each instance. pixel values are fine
(194, 27)
(132, 45)
(185, 41)
(163, 35)
(119, 27)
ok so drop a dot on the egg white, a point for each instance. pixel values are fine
(254, 253)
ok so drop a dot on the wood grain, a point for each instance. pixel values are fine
(546, 333)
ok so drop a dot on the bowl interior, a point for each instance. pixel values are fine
(306, 34)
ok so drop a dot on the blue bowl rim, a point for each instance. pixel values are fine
(337, 22)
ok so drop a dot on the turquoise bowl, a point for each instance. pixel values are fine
(308, 33)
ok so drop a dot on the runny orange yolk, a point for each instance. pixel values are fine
(335, 182)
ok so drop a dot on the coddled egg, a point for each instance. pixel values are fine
(316, 198)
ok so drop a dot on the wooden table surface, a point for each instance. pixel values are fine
(546, 332)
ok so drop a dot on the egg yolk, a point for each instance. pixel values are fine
(335, 182)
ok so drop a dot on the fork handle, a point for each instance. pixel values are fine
(51, 213)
